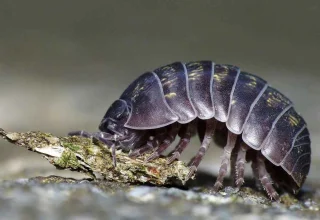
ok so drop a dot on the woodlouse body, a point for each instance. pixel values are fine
(186, 98)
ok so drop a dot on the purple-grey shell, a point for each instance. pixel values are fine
(266, 119)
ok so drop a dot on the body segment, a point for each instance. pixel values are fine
(247, 92)
(200, 78)
(264, 115)
(175, 84)
(147, 102)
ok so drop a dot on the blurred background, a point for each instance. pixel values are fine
(62, 63)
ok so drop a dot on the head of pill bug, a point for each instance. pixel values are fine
(112, 125)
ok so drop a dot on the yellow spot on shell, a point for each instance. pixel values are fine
(293, 120)
(193, 74)
(252, 84)
(218, 77)
(169, 82)
(170, 95)
(273, 99)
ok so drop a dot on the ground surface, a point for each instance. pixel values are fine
(55, 197)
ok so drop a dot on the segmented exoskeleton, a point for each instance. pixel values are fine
(213, 100)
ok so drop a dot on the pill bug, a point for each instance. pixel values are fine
(215, 101)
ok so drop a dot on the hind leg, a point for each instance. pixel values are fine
(240, 164)
(266, 181)
(231, 142)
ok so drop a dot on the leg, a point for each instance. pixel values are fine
(194, 163)
(170, 137)
(264, 177)
(152, 143)
(240, 163)
(232, 138)
(254, 167)
(183, 143)
(233, 162)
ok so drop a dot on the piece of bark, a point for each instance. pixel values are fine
(93, 158)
